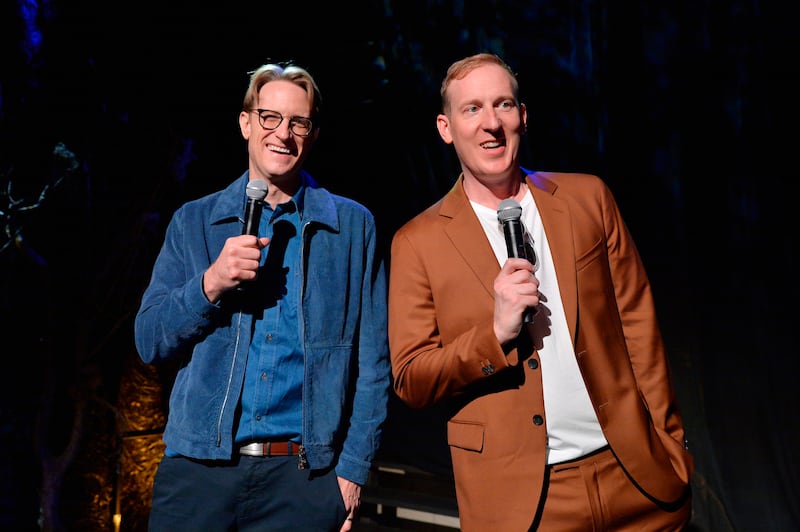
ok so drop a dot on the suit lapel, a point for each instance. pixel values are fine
(466, 233)
(558, 227)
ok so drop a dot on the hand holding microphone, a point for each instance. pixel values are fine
(509, 213)
(237, 261)
(256, 192)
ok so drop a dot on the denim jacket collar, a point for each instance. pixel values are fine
(318, 205)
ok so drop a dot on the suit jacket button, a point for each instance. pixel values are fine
(538, 420)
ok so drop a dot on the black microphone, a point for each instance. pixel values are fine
(256, 192)
(509, 213)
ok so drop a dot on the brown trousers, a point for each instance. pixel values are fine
(593, 493)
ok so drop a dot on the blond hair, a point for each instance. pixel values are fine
(462, 67)
(293, 73)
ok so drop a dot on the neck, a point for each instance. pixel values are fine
(490, 193)
(281, 189)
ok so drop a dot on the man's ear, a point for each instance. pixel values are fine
(244, 124)
(443, 125)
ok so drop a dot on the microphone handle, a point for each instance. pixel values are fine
(252, 217)
(527, 317)
(515, 245)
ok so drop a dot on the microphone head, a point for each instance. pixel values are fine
(257, 189)
(509, 209)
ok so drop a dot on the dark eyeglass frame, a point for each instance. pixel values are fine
(303, 121)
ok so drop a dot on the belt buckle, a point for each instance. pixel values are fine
(272, 448)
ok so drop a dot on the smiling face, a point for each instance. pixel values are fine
(485, 123)
(277, 155)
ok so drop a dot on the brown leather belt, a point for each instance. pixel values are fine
(270, 448)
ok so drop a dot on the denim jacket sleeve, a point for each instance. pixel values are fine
(372, 380)
(174, 312)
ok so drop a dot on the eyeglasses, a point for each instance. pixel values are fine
(299, 125)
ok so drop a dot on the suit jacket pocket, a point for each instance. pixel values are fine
(465, 435)
(590, 255)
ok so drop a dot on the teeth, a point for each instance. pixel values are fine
(493, 144)
(279, 149)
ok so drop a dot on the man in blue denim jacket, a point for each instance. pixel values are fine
(278, 331)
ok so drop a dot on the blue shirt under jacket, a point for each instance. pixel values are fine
(273, 380)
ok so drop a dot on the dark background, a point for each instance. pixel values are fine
(687, 110)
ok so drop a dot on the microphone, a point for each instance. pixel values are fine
(256, 192)
(509, 213)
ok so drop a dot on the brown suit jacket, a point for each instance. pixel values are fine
(443, 348)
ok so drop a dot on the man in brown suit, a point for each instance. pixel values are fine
(566, 423)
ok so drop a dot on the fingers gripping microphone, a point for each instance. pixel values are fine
(256, 192)
(509, 213)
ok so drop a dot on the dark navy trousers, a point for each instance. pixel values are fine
(265, 494)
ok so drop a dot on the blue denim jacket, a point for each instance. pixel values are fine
(342, 325)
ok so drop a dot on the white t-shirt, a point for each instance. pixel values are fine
(572, 426)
